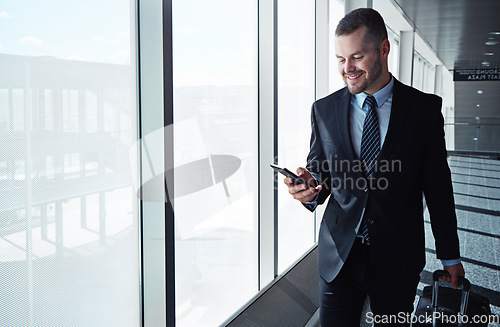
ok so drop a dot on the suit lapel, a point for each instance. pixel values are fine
(401, 104)
(343, 107)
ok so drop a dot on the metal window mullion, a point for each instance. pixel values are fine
(275, 138)
(168, 123)
(321, 71)
(321, 40)
(406, 55)
(268, 245)
(153, 214)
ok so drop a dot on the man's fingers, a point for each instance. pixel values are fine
(455, 271)
(306, 175)
(292, 189)
(307, 195)
(300, 171)
(454, 281)
(446, 279)
(308, 198)
(301, 194)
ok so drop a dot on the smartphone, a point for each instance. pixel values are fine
(296, 179)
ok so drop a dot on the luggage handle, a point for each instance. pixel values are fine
(443, 273)
(465, 293)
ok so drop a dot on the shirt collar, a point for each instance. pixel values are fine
(381, 96)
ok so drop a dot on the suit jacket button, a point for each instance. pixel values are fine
(370, 221)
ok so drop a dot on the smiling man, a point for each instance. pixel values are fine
(371, 240)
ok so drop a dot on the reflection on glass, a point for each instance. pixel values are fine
(17, 113)
(295, 97)
(215, 158)
(479, 134)
(69, 246)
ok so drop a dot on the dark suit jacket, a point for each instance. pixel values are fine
(412, 161)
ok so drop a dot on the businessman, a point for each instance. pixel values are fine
(376, 146)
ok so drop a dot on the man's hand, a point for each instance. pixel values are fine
(455, 271)
(300, 192)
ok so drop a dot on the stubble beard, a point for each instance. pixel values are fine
(375, 73)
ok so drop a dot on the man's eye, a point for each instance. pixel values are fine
(341, 61)
(357, 58)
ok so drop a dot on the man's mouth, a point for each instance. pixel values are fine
(353, 77)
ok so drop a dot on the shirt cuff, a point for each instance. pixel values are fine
(450, 262)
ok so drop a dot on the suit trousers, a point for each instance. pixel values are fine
(342, 300)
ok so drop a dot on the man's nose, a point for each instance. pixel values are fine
(348, 66)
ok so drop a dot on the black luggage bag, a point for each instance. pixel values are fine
(453, 308)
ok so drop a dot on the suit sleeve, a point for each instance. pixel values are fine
(317, 164)
(438, 190)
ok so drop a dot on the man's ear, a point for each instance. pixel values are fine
(385, 48)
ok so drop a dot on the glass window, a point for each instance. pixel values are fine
(215, 158)
(3, 171)
(425, 71)
(417, 62)
(336, 14)
(4, 110)
(18, 98)
(430, 78)
(91, 112)
(296, 21)
(71, 119)
(394, 53)
(47, 115)
(69, 242)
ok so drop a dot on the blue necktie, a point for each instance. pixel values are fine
(370, 140)
(370, 149)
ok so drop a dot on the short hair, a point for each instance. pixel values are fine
(376, 30)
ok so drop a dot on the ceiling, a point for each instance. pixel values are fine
(457, 30)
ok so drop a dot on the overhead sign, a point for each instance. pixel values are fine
(490, 74)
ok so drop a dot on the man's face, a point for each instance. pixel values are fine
(360, 62)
